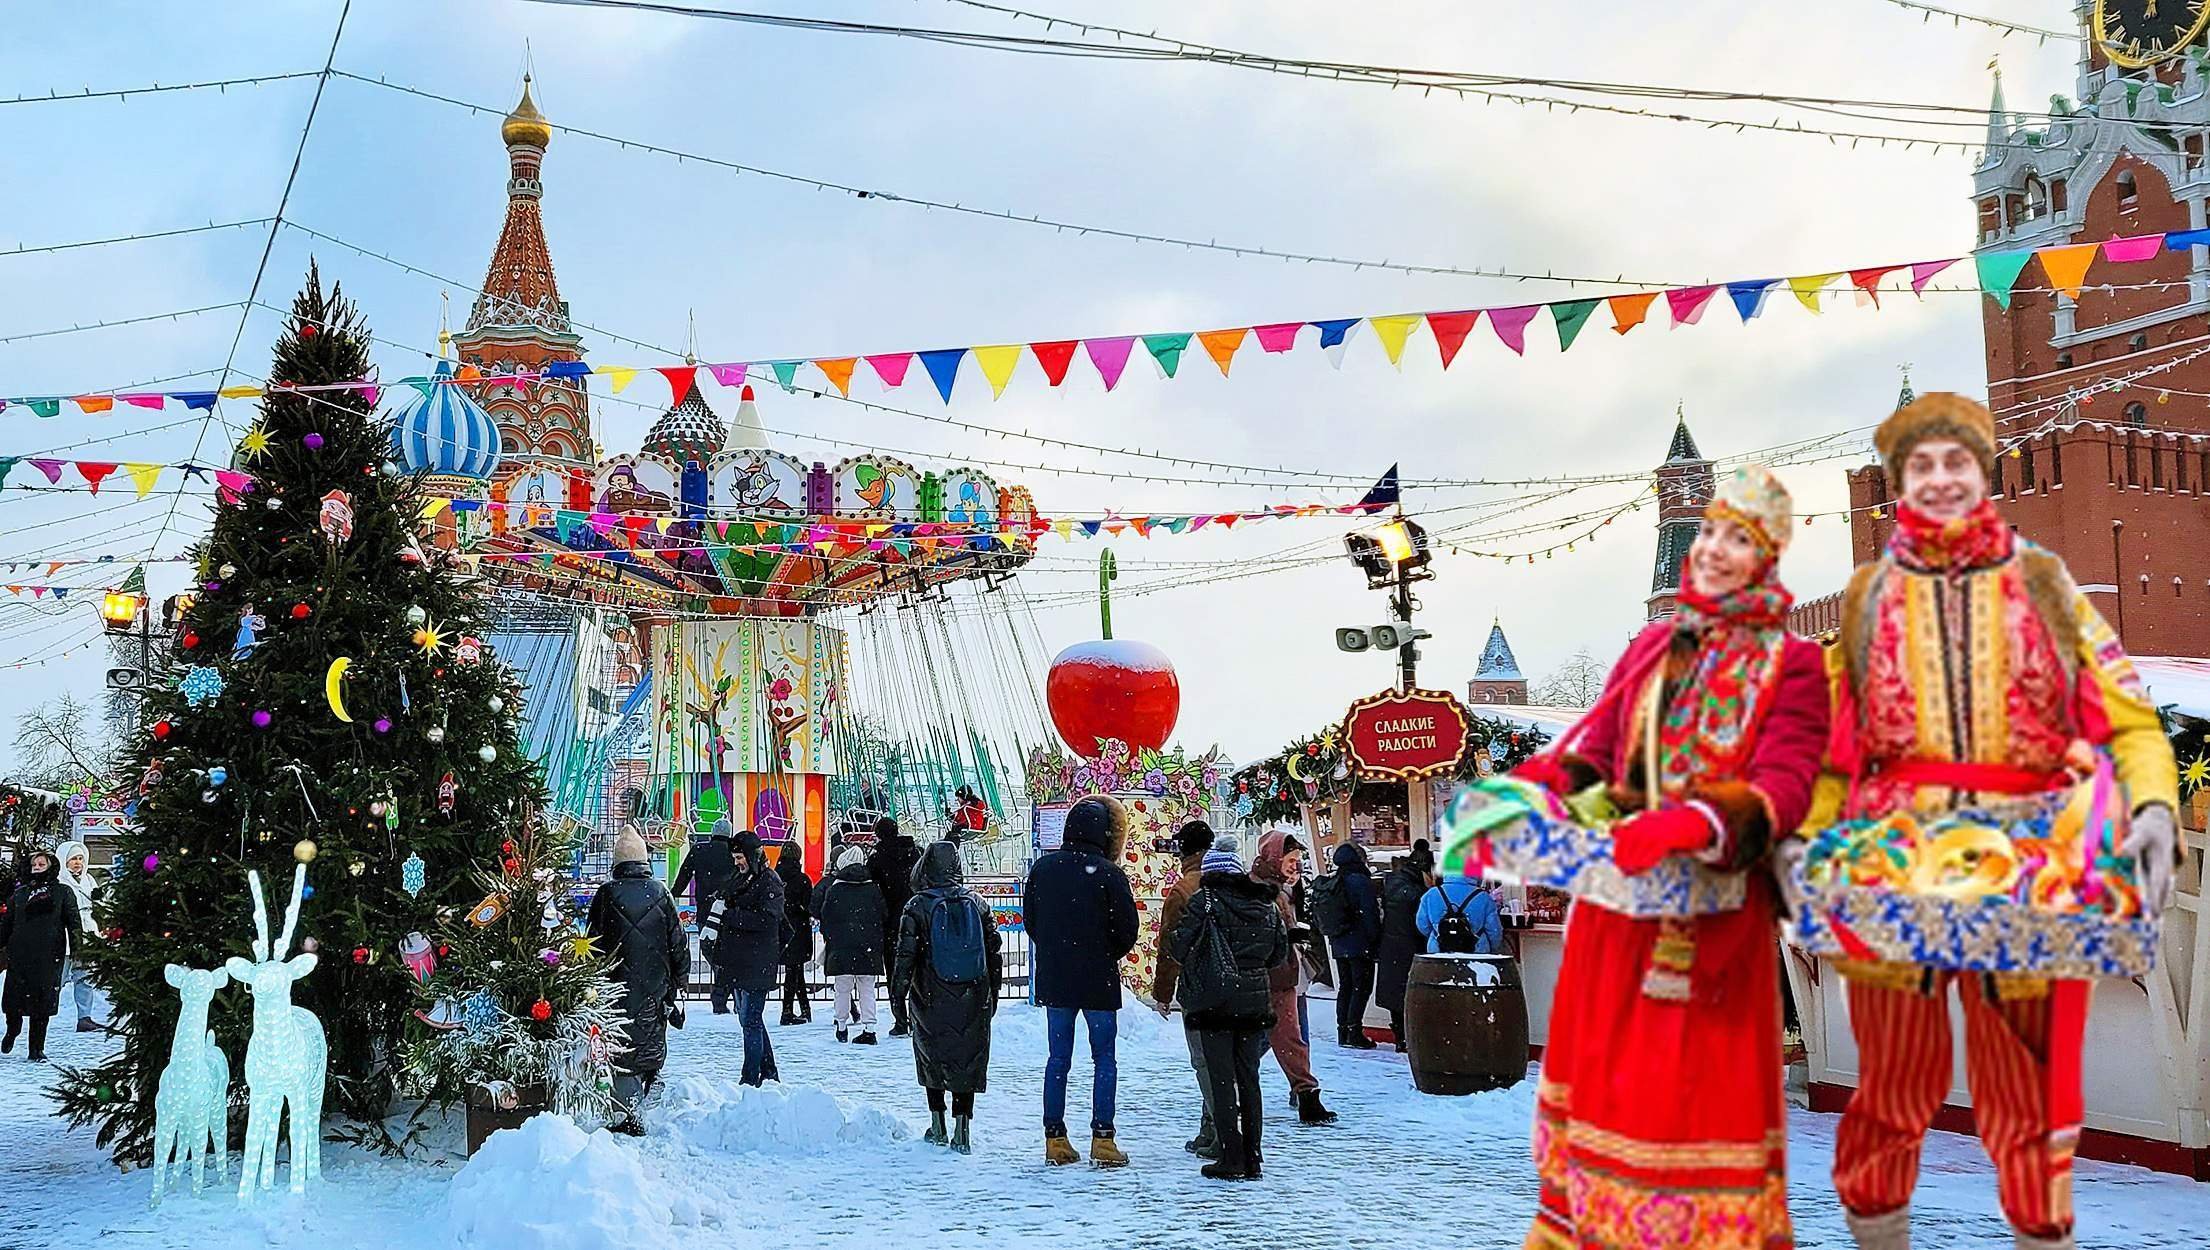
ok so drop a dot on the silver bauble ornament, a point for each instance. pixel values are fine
(435, 733)
(487, 753)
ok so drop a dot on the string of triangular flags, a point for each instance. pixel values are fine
(2064, 268)
(229, 483)
(39, 591)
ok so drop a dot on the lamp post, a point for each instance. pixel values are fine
(1393, 555)
(120, 609)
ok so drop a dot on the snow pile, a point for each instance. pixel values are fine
(723, 1117)
(548, 1185)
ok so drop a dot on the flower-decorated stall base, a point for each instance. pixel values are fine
(1505, 829)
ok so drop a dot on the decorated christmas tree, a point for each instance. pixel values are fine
(337, 707)
(520, 1009)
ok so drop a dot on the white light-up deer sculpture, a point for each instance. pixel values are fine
(192, 1103)
(286, 1059)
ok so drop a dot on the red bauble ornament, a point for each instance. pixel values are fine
(300, 611)
(307, 331)
(513, 867)
(1113, 688)
(161, 729)
(506, 847)
(360, 954)
(115, 934)
(540, 1010)
(190, 640)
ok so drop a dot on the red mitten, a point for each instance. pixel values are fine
(1544, 771)
(1641, 840)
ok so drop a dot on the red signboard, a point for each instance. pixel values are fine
(1405, 735)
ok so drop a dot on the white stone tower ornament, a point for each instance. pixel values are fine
(192, 1103)
(286, 1059)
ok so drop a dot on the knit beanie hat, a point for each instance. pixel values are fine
(1195, 838)
(629, 847)
(1226, 854)
(723, 829)
(849, 856)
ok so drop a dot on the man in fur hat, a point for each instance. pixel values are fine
(1971, 668)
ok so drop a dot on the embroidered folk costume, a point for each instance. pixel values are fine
(1969, 668)
(1660, 1120)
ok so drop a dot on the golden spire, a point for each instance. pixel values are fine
(525, 125)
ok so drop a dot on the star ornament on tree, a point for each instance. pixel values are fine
(429, 639)
(255, 442)
(2196, 774)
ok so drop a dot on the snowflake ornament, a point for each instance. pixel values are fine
(413, 874)
(201, 686)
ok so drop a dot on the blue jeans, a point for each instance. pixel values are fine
(759, 1052)
(1059, 1031)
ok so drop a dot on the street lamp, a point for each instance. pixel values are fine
(120, 610)
(1393, 555)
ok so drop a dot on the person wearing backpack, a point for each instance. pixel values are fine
(1401, 889)
(1081, 917)
(1280, 864)
(1349, 912)
(1190, 845)
(850, 907)
(1460, 917)
(1227, 942)
(947, 973)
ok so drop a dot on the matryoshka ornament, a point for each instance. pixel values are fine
(337, 517)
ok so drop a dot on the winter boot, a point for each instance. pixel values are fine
(86, 1024)
(1058, 1150)
(7, 1044)
(935, 1135)
(961, 1143)
(900, 1029)
(843, 1036)
(867, 1038)
(1206, 1145)
(1309, 1110)
(1359, 1041)
(1891, 1231)
(628, 1126)
(1225, 1170)
(1105, 1152)
(2026, 1242)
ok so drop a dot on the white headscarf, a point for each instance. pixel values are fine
(82, 882)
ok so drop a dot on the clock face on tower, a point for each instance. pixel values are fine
(2136, 33)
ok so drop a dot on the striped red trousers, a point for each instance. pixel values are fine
(2022, 1058)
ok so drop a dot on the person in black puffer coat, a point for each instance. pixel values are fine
(892, 866)
(1230, 1003)
(1355, 945)
(1402, 888)
(37, 926)
(748, 935)
(849, 906)
(1081, 918)
(633, 919)
(709, 862)
(950, 1018)
(798, 951)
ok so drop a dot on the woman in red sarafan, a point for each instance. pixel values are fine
(1660, 1120)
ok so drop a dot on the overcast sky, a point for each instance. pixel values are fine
(641, 241)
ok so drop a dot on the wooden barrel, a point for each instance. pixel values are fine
(1465, 1023)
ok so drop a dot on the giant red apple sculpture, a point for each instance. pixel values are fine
(1112, 687)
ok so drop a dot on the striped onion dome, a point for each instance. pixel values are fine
(448, 432)
(689, 431)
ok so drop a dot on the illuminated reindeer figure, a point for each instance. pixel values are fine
(192, 1103)
(286, 1058)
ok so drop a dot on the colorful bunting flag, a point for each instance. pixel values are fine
(1450, 330)
(1749, 297)
(94, 472)
(154, 400)
(943, 367)
(997, 362)
(240, 392)
(51, 468)
(203, 401)
(786, 375)
(2066, 267)
(1166, 351)
(1110, 356)
(1510, 325)
(1867, 281)
(1923, 272)
(1687, 303)
(1628, 311)
(1567, 316)
(142, 476)
(1998, 272)
(1393, 331)
(48, 408)
(1222, 345)
(680, 380)
(839, 372)
(1335, 336)
(1054, 357)
(1808, 286)
(619, 376)
(1278, 337)
(891, 367)
(2139, 247)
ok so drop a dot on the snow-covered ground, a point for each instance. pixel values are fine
(834, 1159)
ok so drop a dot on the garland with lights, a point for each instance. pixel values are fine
(1314, 769)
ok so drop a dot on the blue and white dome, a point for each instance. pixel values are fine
(447, 432)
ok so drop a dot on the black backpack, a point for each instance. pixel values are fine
(1331, 906)
(956, 949)
(1208, 967)
(1454, 933)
